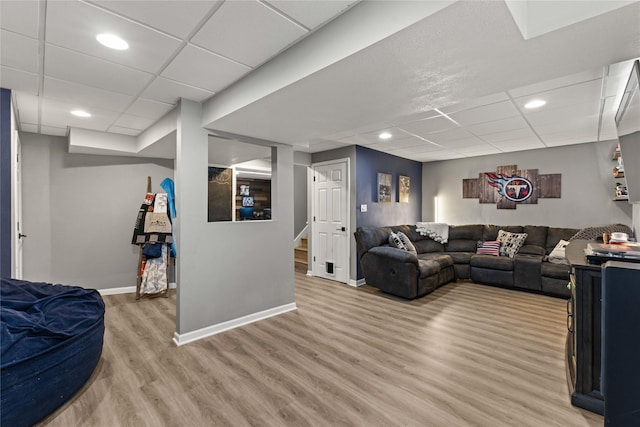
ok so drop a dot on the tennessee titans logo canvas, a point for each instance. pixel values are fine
(514, 187)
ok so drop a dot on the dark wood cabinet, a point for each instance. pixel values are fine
(584, 338)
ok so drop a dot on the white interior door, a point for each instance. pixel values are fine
(330, 221)
(16, 195)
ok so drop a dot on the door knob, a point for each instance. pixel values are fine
(20, 235)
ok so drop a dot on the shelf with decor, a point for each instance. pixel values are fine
(621, 193)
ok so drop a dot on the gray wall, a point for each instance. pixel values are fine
(227, 270)
(345, 153)
(300, 184)
(587, 188)
(79, 211)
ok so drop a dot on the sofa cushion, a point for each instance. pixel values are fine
(466, 232)
(371, 237)
(556, 271)
(427, 246)
(537, 235)
(492, 262)
(490, 232)
(442, 259)
(510, 243)
(556, 234)
(460, 257)
(461, 245)
(491, 247)
(428, 267)
(532, 250)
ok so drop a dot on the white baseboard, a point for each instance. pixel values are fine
(309, 273)
(181, 339)
(125, 290)
(356, 283)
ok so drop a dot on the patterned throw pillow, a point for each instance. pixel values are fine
(510, 243)
(491, 247)
(407, 242)
(401, 241)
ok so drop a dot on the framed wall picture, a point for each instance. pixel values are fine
(384, 187)
(404, 187)
(247, 201)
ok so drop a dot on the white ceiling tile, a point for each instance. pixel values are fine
(509, 135)
(480, 150)
(311, 13)
(75, 25)
(476, 102)
(174, 17)
(85, 96)
(550, 121)
(548, 85)
(427, 126)
(369, 138)
(124, 131)
(55, 112)
(437, 155)
(500, 110)
(20, 16)
(406, 142)
(91, 71)
(413, 117)
(507, 148)
(17, 80)
(27, 108)
(495, 126)
(29, 127)
(51, 130)
(466, 143)
(422, 148)
(134, 122)
(169, 91)
(18, 51)
(149, 109)
(212, 72)
(568, 138)
(449, 135)
(588, 92)
(248, 32)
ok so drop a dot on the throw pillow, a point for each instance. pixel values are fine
(510, 243)
(401, 241)
(557, 255)
(396, 242)
(406, 241)
(491, 247)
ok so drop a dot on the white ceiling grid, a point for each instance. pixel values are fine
(191, 49)
(195, 49)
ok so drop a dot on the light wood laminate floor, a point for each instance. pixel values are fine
(465, 355)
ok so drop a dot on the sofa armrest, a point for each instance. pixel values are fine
(395, 254)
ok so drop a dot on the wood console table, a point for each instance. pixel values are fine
(584, 339)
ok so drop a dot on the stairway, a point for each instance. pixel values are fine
(301, 254)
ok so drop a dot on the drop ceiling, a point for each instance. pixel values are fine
(447, 82)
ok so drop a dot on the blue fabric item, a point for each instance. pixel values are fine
(50, 343)
(168, 187)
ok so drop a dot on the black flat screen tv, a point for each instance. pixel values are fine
(628, 126)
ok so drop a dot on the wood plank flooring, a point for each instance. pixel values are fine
(465, 355)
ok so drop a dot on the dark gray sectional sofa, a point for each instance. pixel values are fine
(408, 275)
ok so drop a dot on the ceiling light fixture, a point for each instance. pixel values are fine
(112, 41)
(536, 103)
(80, 113)
(385, 135)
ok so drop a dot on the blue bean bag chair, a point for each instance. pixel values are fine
(51, 341)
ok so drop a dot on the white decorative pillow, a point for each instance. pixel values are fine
(401, 241)
(510, 243)
(406, 241)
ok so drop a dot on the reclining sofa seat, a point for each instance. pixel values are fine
(413, 275)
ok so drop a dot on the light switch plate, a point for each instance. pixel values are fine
(363, 208)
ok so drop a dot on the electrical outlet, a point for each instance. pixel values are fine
(363, 208)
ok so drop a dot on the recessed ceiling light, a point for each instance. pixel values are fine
(112, 41)
(80, 113)
(385, 135)
(536, 103)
